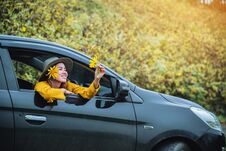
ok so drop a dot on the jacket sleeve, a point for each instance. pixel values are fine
(85, 92)
(48, 93)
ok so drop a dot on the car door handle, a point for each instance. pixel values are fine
(35, 118)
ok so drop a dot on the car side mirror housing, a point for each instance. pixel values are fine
(122, 90)
(75, 99)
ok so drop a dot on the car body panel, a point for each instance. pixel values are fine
(162, 115)
(69, 126)
(6, 112)
(180, 101)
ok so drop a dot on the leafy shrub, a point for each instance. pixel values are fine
(168, 46)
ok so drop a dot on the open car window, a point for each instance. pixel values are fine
(28, 66)
(84, 76)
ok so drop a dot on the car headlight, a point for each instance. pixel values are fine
(209, 118)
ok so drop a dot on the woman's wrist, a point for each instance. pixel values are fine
(96, 83)
(64, 90)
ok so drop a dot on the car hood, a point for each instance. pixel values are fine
(180, 101)
(152, 96)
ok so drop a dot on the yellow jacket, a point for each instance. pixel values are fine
(50, 94)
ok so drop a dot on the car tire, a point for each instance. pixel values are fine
(173, 146)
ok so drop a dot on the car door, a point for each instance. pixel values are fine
(6, 112)
(97, 124)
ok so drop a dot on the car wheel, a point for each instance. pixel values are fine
(173, 146)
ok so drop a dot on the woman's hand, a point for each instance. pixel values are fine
(66, 91)
(99, 73)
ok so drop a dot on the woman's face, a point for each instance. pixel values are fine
(62, 73)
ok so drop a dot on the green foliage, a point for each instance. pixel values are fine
(168, 46)
(26, 72)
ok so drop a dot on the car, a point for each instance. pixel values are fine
(121, 117)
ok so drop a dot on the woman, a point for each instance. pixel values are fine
(54, 85)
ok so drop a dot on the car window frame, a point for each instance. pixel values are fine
(8, 69)
(2, 76)
(48, 46)
(75, 60)
(9, 50)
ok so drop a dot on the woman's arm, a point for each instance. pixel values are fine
(48, 93)
(99, 73)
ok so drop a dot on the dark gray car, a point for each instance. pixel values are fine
(121, 117)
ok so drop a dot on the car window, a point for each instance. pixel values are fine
(26, 75)
(28, 65)
(84, 76)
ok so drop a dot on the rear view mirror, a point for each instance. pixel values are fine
(122, 89)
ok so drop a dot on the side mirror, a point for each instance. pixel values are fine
(122, 89)
(75, 99)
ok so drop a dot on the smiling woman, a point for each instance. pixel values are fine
(54, 84)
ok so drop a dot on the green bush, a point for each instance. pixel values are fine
(168, 46)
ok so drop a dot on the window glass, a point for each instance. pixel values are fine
(26, 75)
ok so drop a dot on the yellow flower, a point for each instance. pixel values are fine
(93, 62)
(23, 29)
(53, 72)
